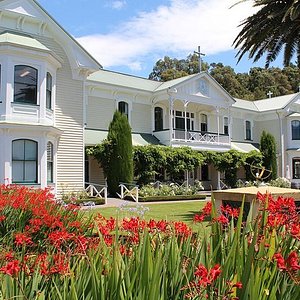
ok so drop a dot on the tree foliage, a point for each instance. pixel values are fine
(249, 86)
(274, 27)
(115, 153)
(152, 160)
(171, 68)
(268, 149)
(229, 162)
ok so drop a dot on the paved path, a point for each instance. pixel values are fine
(117, 202)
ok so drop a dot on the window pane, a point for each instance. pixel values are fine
(248, 130)
(30, 171)
(203, 118)
(295, 130)
(225, 121)
(296, 168)
(30, 150)
(158, 118)
(49, 91)
(17, 171)
(25, 84)
(49, 171)
(203, 127)
(24, 161)
(179, 123)
(18, 150)
(49, 162)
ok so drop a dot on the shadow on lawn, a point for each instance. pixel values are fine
(189, 216)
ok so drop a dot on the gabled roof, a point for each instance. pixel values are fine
(124, 80)
(171, 83)
(131, 81)
(89, 61)
(269, 104)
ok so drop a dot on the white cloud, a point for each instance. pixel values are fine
(118, 4)
(178, 28)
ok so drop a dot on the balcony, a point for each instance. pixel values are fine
(201, 137)
(197, 140)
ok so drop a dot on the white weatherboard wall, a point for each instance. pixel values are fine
(69, 119)
(99, 112)
(141, 118)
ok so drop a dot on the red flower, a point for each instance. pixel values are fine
(199, 218)
(207, 277)
(206, 210)
(12, 268)
(23, 239)
(215, 272)
(238, 285)
(280, 261)
(222, 220)
(293, 261)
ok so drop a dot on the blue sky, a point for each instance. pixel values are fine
(129, 36)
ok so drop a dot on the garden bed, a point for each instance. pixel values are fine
(172, 198)
(81, 202)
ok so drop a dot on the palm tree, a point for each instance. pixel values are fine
(274, 27)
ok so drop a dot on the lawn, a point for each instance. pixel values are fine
(179, 211)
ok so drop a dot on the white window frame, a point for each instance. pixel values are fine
(251, 130)
(129, 107)
(226, 117)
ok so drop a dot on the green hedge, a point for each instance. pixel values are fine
(171, 198)
(97, 201)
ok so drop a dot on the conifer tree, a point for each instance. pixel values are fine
(121, 155)
(268, 149)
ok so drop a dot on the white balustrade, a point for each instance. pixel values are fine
(96, 191)
(129, 190)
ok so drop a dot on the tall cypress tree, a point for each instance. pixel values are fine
(268, 149)
(121, 156)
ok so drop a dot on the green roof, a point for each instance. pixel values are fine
(130, 81)
(268, 104)
(243, 147)
(94, 137)
(21, 40)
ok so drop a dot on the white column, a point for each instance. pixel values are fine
(152, 117)
(185, 121)
(42, 80)
(218, 122)
(280, 116)
(43, 161)
(8, 77)
(2, 157)
(229, 125)
(171, 119)
(218, 180)
(7, 156)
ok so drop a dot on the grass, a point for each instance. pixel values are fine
(179, 211)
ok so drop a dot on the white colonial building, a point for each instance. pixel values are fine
(55, 100)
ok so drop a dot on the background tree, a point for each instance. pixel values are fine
(249, 86)
(171, 68)
(274, 27)
(268, 149)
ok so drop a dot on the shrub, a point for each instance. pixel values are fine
(172, 189)
(268, 149)
(280, 182)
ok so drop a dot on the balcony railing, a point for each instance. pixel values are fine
(201, 137)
